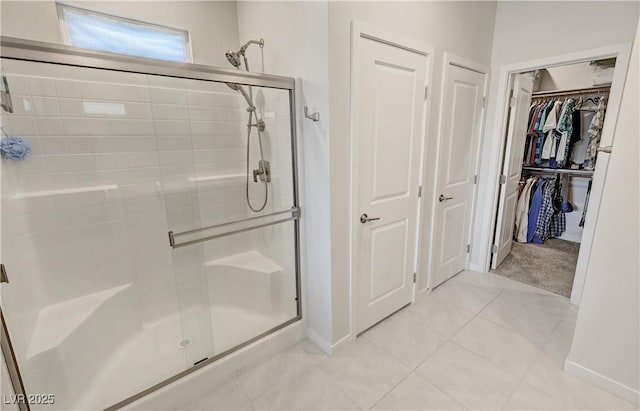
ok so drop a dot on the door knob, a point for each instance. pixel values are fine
(443, 198)
(364, 218)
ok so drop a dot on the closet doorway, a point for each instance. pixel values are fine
(558, 131)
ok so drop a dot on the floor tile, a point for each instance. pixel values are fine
(501, 346)
(485, 280)
(228, 396)
(416, 393)
(574, 393)
(524, 319)
(313, 351)
(528, 397)
(406, 336)
(560, 343)
(256, 381)
(468, 378)
(444, 318)
(310, 390)
(547, 303)
(470, 295)
(364, 372)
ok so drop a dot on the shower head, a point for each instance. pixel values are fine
(238, 87)
(234, 58)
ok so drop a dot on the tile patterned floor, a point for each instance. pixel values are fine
(478, 342)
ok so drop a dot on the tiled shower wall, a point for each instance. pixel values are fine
(115, 164)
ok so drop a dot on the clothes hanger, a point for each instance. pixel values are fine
(594, 100)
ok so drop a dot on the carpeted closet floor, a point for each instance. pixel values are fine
(550, 266)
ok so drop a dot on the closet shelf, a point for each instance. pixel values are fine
(583, 173)
(249, 260)
(588, 90)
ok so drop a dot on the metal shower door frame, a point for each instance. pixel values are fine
(50, 53)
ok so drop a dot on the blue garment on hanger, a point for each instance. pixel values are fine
(534, 210)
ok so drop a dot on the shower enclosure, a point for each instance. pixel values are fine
(131, 252)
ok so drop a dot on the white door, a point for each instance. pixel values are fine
(457, 167)
(512, 167)
(388, 109)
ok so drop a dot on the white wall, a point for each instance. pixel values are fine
(606, 342)
(295, 35)
(531, 30)
(462, 28)
(567, 77)
(213, 24)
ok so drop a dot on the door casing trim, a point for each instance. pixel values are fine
(486, 222)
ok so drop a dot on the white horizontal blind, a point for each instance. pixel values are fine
(98, 31)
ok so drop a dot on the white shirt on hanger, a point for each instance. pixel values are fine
(549, 148)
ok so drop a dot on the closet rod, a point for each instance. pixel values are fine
(544, 170)
(589, 90)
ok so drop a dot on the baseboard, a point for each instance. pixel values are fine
(320, 342)
(603, 382)
(341, 344)
(574, 238)
(476, 267)
(325, 346)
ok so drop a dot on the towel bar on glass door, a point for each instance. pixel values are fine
(295, 214)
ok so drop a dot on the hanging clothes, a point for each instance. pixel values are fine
(576, 135)
(548, 150)
(543, 223)
(558, 224)
(565, 205)
(565, 127)
(579, 151)
(540, 132)
(561, 134)
(522, 211)
(534, 211)
(595, 133)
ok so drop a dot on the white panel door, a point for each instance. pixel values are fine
(457, 166)
(512, 167)
(388, 129)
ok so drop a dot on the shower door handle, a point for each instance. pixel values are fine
(364, 218)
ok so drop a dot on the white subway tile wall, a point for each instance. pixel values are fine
(118, 160)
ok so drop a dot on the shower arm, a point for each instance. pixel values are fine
(242, 51)
(250, 42)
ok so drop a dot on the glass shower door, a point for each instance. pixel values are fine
(100, 305)
(235, 268)
(91, 306)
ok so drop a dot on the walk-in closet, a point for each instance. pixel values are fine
(557, 156)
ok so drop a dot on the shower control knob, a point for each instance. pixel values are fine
(364, 218)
